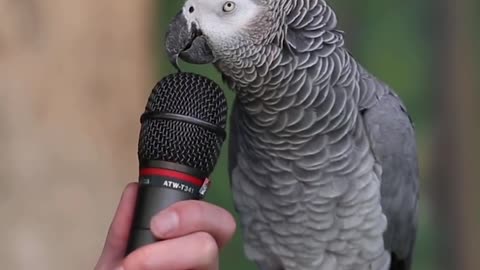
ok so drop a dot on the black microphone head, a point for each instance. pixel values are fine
(184, 122)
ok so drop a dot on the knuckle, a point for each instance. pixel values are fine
(189, 214)
(208, 246)
(138, 260)
(131, 185)
(187, 209)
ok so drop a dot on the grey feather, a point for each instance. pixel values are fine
(322, 154)
(393, 142)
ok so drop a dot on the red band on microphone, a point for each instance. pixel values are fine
(172, 174)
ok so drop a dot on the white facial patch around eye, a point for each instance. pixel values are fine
(218, 25)
(243, 14)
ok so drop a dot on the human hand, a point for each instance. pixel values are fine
(193, 233)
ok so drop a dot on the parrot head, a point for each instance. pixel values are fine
(207, 31)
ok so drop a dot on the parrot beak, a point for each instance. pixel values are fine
(187, 43)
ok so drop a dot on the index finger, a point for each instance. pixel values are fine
(118, 233)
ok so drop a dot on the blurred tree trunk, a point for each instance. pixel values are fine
(74, 77)
(456, 169)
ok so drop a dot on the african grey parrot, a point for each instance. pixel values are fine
(323, 160)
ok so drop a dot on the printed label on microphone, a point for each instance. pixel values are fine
(171, 183)
(178, 186)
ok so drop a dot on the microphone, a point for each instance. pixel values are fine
(182, 132)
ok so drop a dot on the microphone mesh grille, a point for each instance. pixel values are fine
(181, 142)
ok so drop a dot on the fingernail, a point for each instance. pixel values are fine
(120, 268)
(164, 223)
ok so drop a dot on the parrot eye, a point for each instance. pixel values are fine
(229, 6)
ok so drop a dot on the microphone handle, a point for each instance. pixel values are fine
(158, 189)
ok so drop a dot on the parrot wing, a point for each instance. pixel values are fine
(392, 139)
